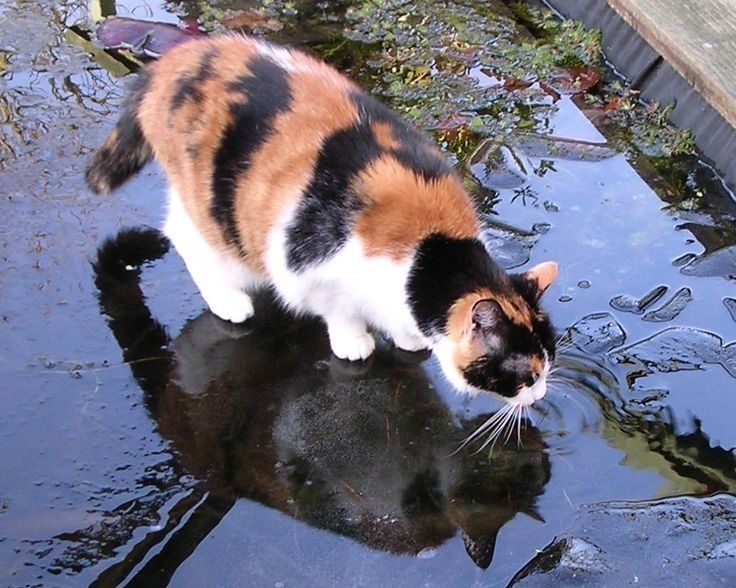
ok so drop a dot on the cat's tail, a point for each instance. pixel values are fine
(125, 151)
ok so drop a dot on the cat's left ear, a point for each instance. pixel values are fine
(542, 276)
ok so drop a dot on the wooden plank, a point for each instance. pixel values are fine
(697, 37)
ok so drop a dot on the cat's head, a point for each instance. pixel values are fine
(499, 341)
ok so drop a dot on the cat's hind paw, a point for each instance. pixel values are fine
(351, 346)
(411, 343)
(233, 305)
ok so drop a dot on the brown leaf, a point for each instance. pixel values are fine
(512, 84)
(250, 19)
(575, 80)
(452, 122)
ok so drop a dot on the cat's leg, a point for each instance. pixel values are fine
(320, 290)
(220, 277)
(349, 336)
(410, 342)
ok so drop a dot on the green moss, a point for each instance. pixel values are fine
(476, 58)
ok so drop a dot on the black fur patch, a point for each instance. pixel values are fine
(540, 322)
(118, 160)
(322, 223)
(188, 86)
(325, 216)
(266, 94)
(445, 269)
(415, 152)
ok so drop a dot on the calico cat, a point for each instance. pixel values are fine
(282, 172)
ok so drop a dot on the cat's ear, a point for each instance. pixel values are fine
(542, 276)
(480, 548)
(486, 314)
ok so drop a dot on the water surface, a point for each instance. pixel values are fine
(144, 438)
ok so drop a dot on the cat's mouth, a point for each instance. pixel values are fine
(528, 395)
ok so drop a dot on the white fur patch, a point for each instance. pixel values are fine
(350, 291)
(281, 56)
(443, 350)
(221, 278)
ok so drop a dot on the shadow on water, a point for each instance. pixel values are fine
(264, 412)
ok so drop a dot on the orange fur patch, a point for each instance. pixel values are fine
(460, 324)
(401, 209)
(283, 166)
(385, 136)
(194, 125)
(185, 141)
(516, 309)
(537, 365)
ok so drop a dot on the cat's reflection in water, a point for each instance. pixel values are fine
(265, 412)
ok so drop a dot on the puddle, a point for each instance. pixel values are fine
(147, 439)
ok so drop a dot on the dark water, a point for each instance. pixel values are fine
(144, 439)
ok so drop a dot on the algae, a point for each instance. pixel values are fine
(470, 71)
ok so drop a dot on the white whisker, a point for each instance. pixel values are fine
(484, 427)
(497, 430)
(502, 430)
(519, 418)
(511, 424)
(489, 423)
(500, 426)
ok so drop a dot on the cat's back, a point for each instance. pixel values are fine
(238, 125)
(223, 100)
(255, 136)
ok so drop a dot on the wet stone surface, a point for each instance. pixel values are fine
(144, 439)
(677, 542)
(679, 348)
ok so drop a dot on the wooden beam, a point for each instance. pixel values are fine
(697, 37)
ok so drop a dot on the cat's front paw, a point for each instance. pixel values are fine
(233, 306)
(351, 346)
(411, 342)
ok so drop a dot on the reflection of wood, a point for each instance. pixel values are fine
(181, 535)
(99, 9)
(697, 37)
(118, 66)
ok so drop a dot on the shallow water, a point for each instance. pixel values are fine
(145, 439)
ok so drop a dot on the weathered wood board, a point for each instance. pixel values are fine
(697, 37)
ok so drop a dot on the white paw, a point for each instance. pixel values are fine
(411, 342)
(351, 346)
(231, 305)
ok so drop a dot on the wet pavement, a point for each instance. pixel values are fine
(145, 440)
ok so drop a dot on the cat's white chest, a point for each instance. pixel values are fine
(350, 290)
